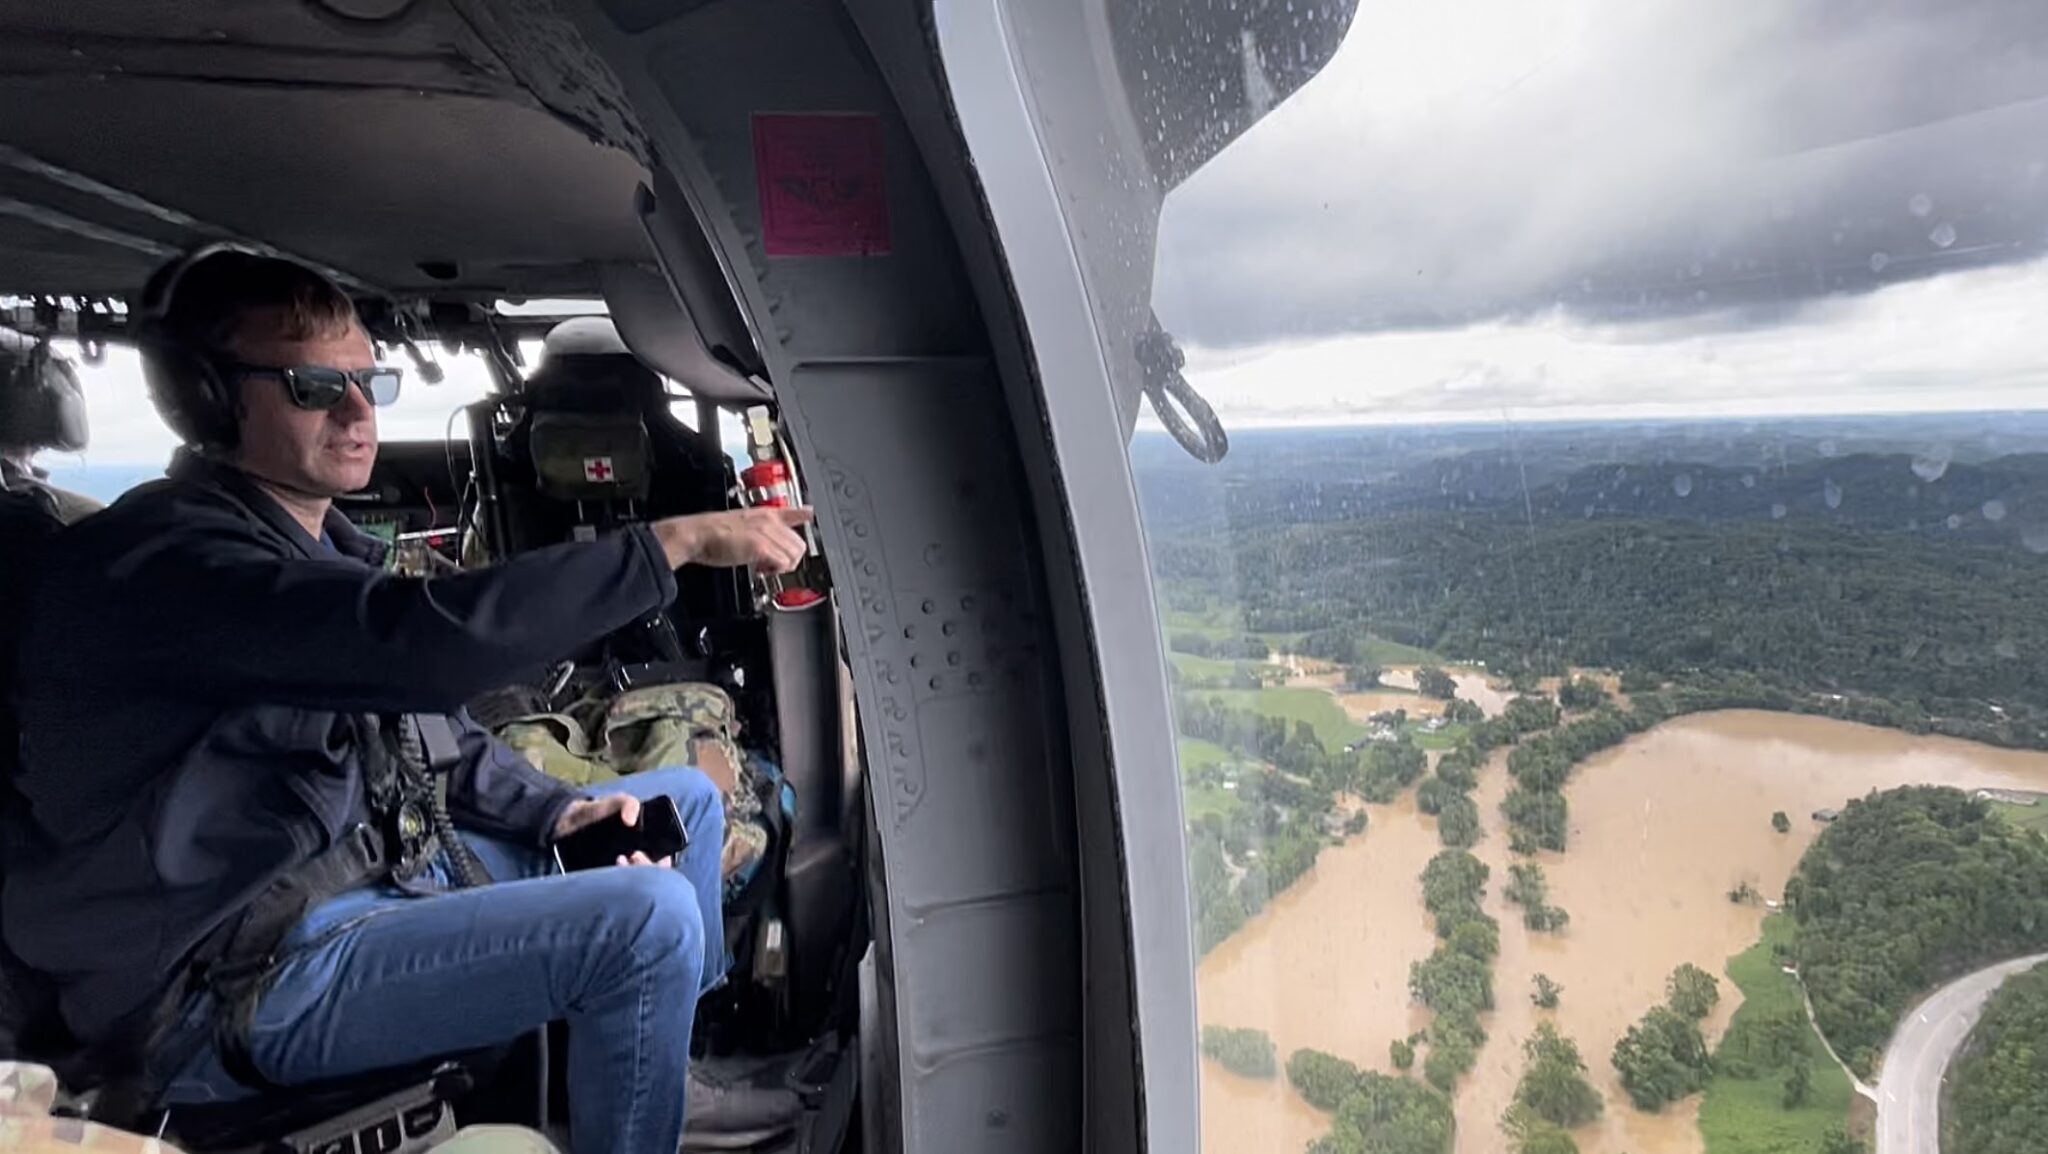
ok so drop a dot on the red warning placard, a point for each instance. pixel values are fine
(821, 184)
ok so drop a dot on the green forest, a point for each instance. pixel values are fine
(1909, 888)
(1937, 631)
(1998, 1087)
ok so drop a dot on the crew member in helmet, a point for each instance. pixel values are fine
(41, 408)
(221, 685)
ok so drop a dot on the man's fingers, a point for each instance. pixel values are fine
(794, 515)
(628, 808)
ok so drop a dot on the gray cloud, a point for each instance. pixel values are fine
(1720, 164)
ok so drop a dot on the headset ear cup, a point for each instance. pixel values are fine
(189, 394)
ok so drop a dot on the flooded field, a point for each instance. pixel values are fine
(1662, 828)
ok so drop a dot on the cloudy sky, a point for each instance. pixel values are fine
(1630, 207)
(1588, 208)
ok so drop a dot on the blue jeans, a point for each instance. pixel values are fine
(375, 978)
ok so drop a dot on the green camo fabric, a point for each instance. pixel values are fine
(661, 725)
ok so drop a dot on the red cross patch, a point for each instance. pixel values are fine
(597, 468)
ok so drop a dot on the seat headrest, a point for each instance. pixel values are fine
(584, 365)
(41, 403)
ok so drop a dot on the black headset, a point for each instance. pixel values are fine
(184, 383)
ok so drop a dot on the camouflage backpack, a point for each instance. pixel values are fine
(689, 723)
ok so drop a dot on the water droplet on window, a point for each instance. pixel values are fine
(1879, 261)
(1682, 484)
(1831, 493)
(1777, 511)
(1994, 510)
(1921, 204)
(1955, 521)
(1749, 480)
(2035, 538)
(1930, 465)
(1944, 235)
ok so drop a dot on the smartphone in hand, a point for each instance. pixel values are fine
(660, 834)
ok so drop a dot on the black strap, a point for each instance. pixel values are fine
(438, 740)
(396, 755)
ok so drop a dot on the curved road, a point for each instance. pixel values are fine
(1909, 1090)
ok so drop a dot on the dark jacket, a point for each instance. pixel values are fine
(187, 658)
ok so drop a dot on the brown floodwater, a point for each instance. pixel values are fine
(1662, 828)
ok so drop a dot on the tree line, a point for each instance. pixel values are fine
(1908, 888)
(1244, 648)
(1456, 980)
(1929, 635)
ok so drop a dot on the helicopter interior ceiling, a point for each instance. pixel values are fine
(380, 139)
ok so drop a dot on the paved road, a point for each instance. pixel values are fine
(1909, 1090)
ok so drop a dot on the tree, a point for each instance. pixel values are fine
(1798, 1084)
(1478, 939)
(1433, 682)
(1452, 884)
(1362, 676)
(1449, 982)
(1539, 819)
(1386, 1115)
(1527, 885)
(1447, 1062)
(1431, 795)
(1459, 768)
(1581, 693)
(1457, 822)
(1553, 1085)
(1780, 822)
(1640, 681)
(1528, 1134)
(1402, 1051)
(1547, 993)
(1322, 1080)
(1693, 991)
(1839, 1142)
(1661, 1059)
(1245, 1052)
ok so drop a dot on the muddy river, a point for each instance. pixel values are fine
(1662, 828)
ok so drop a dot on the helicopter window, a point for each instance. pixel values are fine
(1601, 661)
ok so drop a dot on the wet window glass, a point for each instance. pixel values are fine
(1609, 661)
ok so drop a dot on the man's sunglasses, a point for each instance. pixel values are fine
(320, 387)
